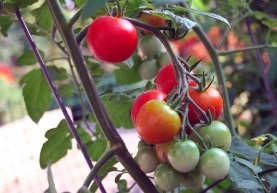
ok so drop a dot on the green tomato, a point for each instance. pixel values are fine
(166, 178)
(184, 156)
(148, 69)
(193, 180)
(164, 59)
(214, 163)
(216, 134)
(150, 45)
(146, 159)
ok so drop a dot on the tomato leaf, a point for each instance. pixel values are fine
(42, 15)
(5, 23)
(11, 5)
(28, 58)
(36, 93)
(119, 108)
(244, 177)
(213, 15)
(57, 144)
(240, 148)
(90, 8)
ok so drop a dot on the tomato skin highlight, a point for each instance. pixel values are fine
(144, 98)
(157, 123)
(112, 39)
(208, 100)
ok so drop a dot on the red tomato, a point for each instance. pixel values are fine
(208, 100)
(112, 39)
(144, 98)
(166, 79)
(157, 123)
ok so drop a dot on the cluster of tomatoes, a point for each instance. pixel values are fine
(173, 160)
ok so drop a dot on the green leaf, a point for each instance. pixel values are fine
(57, 144)
(257, 14)
(213, 15)
(28, 58)
(36, 93)
(11, 5)
(91, 7)
(66, 90)
(5, 23)
(122, 186)
(125, 75)
(95, 145)
(57, 73)
(119, 108)
(240, 148)
(52, 188)
(42, 15)
(270, 23)
(243, 177)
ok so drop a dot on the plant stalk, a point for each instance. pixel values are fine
(96, 104)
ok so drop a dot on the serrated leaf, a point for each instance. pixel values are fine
(28, 58)
(249, 164)
(241, 148)
(5, 23)
(56, 146)
(42, 15)
(243, 177)
(36, 93)
(90, 8)
(213, 15)
(119, 108)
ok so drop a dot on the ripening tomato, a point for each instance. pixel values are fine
(214, 163)
(162, 150)
(208, 100)
(152, 19)
(112, 39)
(144, 98)
(157, 123)
(184, 156)
(166, 178)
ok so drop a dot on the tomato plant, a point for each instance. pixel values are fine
(214, 163)
(156, 122)
(112, 39)
(184, 155)
(147, 159)
(144, 98)
(166, 177)
(208, 100)
(216, 134)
